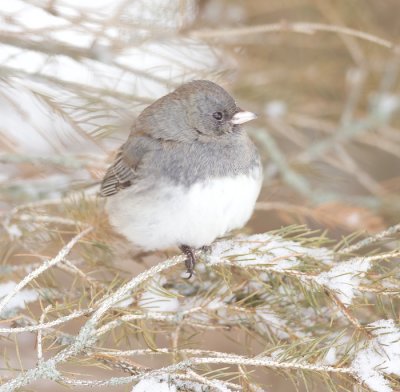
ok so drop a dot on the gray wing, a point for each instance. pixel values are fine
(124, 170)
(118, 176)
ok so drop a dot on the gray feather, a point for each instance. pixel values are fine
(118, 176)
(177, 140)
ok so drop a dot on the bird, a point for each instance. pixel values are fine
(187, 174)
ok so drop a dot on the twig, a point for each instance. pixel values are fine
(371, 240)
(118, 363)
(91, 332)
(37, 327)
(77, 87)
(131, 317)
(380, 291)
(69, 267)
(218, 385)
(86, 336)
(159, 351)
(347, 313)
(227, 359)
(47, 219)
(46, 265)
(53, 47)
(296, 181)
(48, 202)
(291, 27)
(39, 335)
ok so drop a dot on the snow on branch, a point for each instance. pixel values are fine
(345, 278)
(380, 357)
(286, 289)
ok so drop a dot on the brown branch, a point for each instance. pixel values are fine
(288, 27)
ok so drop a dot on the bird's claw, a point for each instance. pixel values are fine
(190, 260)
(190, 263)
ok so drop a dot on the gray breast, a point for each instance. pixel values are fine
(187, 163)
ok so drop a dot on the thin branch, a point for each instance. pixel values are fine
(291, 27)
(218, 385)
(53, 47)
(45, 266)
(37, 327)
(227, 359)
(371, 239)
(39, 335)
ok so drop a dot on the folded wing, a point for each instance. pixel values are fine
(120, 175)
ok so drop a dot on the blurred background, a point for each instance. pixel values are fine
(73, 78)
(322, 76)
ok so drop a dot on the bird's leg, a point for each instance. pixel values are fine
(190, 261)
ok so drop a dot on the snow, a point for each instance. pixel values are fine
(269, 319)
(266, 249)
(153, 385)
(157, 299)
(344, 278)
(158, 303)
(380, 357)
(216, 304)
(221, 298)
(124, 303)
(19, 300)
(330, 358)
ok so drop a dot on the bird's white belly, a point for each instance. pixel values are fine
(175, 215)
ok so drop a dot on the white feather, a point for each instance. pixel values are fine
(173, 215)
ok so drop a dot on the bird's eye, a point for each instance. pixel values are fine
(218, 115)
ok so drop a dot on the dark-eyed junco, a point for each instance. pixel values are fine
(187, 173)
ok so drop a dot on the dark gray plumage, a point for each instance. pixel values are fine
(189, 137)
(162, 140)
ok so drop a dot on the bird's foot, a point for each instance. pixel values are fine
(190, 261)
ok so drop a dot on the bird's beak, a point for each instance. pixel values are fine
(242, 117)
